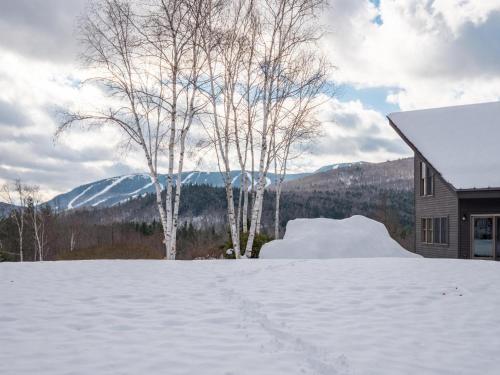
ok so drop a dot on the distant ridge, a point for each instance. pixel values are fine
(120, 189)
(330, 167)
(115, 190)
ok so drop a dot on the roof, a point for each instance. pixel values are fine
(462, 143)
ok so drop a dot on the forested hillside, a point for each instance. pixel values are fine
(131, 229)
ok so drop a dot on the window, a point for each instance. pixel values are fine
(426, 180)
(427, 230)
(444, 230)
(435, 230)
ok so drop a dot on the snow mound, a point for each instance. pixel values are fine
(355, 237)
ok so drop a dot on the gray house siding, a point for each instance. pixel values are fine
(443, 203)
(473, 204)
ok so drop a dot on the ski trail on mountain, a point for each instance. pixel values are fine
(70, 204)
(132, 194)
(187, 178)
(106, 189)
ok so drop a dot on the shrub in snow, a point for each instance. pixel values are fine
(259, 240)
(355, 237)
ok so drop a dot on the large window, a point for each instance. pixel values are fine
(426, 180)
(435, 230)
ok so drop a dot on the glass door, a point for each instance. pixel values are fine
(482, 240)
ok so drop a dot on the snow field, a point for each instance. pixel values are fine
(341, 316)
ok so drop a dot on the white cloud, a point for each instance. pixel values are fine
(351, 132)
(437, 52)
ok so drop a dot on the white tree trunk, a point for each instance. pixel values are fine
(259, 195)
(161, 208)
(259, 215)
(255, 215)
(277, 211)
(231, 217)
(72, 242)
(245, 204)
(171, 160)
(36, 229)
(177, 199)
(20, 232)
(240, 205)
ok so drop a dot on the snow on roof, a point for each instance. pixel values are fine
(461, 142)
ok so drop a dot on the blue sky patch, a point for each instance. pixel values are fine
(372, 98)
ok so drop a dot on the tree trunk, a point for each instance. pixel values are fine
(255, 216)
(259, 215)
(161, 209)
(178, 187)
(240, 201)
(171, 149)
(260, 189)
(245, 203)
(72, 242)
(277, 212)
(36, 229)
(231, 217)
(21, 253)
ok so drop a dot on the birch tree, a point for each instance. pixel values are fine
(174, 35)
(296, 124)
(287, 29)
(15, 194)
(226, 46)
(146, 59)
(38, 221)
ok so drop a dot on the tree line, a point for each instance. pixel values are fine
(133, 230)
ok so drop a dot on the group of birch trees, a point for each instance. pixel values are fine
(29, 216)
(247, 72)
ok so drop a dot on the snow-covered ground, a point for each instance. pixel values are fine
(339, 316)
(354, 237)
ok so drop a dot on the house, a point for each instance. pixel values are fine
(457, 179)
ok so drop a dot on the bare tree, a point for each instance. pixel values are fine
(15, 194)
(176, 39)
(226, 46)
(286, 31)
(263, 80)
(38, 219)
(297, 124)
(147, 60)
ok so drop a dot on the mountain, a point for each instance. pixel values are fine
(112, 191)
(117, 190)
(393, 175)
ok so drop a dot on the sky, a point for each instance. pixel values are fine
(390, 55)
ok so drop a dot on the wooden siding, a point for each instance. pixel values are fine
(473, 206)
(444, 203)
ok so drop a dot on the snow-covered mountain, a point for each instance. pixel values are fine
(115, 190)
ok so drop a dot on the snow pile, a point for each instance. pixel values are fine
(355, 237)
(378, 316)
